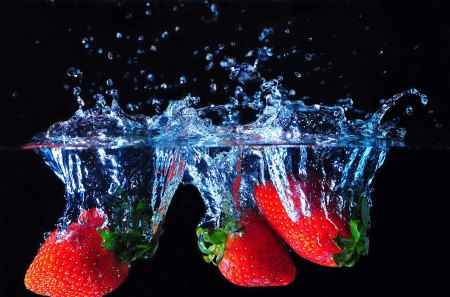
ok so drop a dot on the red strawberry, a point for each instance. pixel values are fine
(252, 257)
(75, 262)
(89, 259)
(321, 236)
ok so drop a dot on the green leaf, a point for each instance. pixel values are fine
(365, 209)
(211, 243)
(354, 228)
(217, 236)
(141, 205)
(357, 245)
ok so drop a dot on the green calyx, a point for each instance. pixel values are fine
(211, 242)
(357, 245)
(130, 234)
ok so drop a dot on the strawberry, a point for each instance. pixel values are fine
(320, 235)
(75, 263)
(252, 256)
(91, 257)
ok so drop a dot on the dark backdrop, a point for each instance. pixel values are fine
(411, 205)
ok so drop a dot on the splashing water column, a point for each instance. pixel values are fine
(117, 199)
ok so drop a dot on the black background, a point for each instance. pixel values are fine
(411, 199)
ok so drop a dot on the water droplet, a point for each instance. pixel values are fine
(15, 94)
(77, 91)
(298, 74)
(109, 82)
(148, 12)
(423, 99)
(213, 88)
(74, 72)
(182, 80)
(409, 110)
(209, 57)
(163, 86)
(164, 34)
(292, 93)
(141, 37)
(265, 32)
(110, 55)
(209, 66)
(380, 52)
(310, 39)
(150, 77)
(249, 54)
(309, 56)
(177, 28)
(132, 107)
(287, 31)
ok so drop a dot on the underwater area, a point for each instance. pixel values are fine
(173, 122)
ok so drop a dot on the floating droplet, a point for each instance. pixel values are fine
(309, 56)
(409, 110)
(213, 88)
(423, 99)
(74, 72)
(265, 32)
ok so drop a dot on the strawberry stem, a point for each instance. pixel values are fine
(357, 245)
(130, 232)
(211, 242)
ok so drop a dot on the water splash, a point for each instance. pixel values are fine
(314, 156)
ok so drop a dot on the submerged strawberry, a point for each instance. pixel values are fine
(252, 256)
(321, 236)
(75, 263)
(90, 259)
